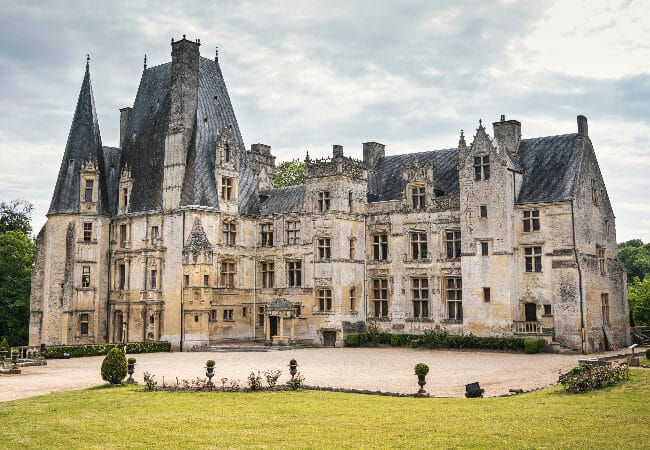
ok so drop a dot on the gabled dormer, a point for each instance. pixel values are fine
(418, 186)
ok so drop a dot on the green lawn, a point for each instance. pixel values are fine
(130, 417)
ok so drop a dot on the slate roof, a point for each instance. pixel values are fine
(282, 200)
(111, 175)
(84, 146)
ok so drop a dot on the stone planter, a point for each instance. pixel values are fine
(293, 370)
(130, 370)
(422, 380)
(209, 372)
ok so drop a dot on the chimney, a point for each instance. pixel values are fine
(583, 128)
(508, 134)
(185, 84)
(337, 151)
(125, 113)
(263, 165)
(373, 152)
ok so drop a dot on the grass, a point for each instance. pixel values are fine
(128, 417)
(645, 362)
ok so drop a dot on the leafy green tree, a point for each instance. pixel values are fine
(17, 251)
(289, 173)
(639, 295)
(635, 256)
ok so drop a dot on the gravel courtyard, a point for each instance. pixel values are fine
(385, 369)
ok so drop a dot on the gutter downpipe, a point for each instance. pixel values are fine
(182, 290)
(365, 271)
(254, 311)
(108, 291)
(577, 256)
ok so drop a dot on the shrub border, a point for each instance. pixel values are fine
(75, 351)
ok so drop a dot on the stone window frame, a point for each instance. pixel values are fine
(352, 292)
(380, 249)
(324, 201)
(485, 247)
(481, 167)
(227, 273)
(121, 276)
(324, 297)
(226, 153)
(229, 233)
(124, 235)
(294, 273)
(418, 194)
(260, 316)
(293, 232)
(324, 248)
(186, 280)
(206, 280)
(420, 297)
(266, 234)
(487, 294)
(213, 315)
(228, 315)
(530, 220)
(548, 310)
(452, 243)
(418, 242)
(453, 296)
(533, 259)
(153, 279)
(353, 247)
(483, 213)
(89, 190)
(85, 277)
(155, 235)
(380, 297)
(227, 188)
(602, 259)
(267, 274)
(87, 231)
(84, 324)
(604, 307)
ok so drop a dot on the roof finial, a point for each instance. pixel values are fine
(480, 124)
(87, 62)
(145, 61)
(216, 53)
(183, 37)
(307, 157)
(461, 141)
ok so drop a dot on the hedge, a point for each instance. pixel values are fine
(56, 352)
(436, 339)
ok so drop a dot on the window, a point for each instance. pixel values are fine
(123, 235)
(607, 230)
(122, 276)
(213, 315)
(418, 197)
(601, 259)
(267, 235)
(154, 235)
(486, 295)
(604, 300)
(226, 188)
(594, 191)
(268, 274)
(380, 247)
(533, 256)
(83, 324)
(350, 201)
(418, 245)
(88, 231)
(196, 318)
(152, 320)
(228, 274)
(531, 220)
(298, 309)
(380, 297)
(485, 247)
(325, 299)
(353, 298)
(85, 277)
(420, 297)
(295, 273)
(454, 293)
(324, 249)
(293, 232)
(244, 311)
(483, 210)
(226, 153)
(452, 242)
(353, 243)
(206, 280)
(481, 168)
(548, 311)
(229, 233)
(228, 314)
(88, 191)
(187, 280)
(324, 201)
(125, 198)
(260, 316)
(153, 279)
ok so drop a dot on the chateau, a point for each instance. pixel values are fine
(178, 235)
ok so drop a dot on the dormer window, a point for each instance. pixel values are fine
(481, 168)
(324, 201)
(226, 153)
(125, 198)
(226, 188)
(88, 191)
(418, 197)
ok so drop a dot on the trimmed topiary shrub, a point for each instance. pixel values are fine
(54, 352)
(131, 361)
(532, 345)
(210, 363)
(352, 340)
(4, 344)
(114, 366)
(421, 369)
(414, 343)
(647, 353)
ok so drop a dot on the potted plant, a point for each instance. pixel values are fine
(293, 367)
(421, 370)
(14, 356)
(209, 366)
(130, 369)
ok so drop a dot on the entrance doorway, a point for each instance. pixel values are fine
(531, 312)
(273, 325)
(329, 338)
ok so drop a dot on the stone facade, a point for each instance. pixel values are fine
(179, 236)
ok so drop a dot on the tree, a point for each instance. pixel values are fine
(639, 295)
(635, 256)
(289, 173)
(17, 251)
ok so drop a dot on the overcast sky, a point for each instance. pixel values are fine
(306, 75)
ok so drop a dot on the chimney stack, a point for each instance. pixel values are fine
(583, 128)
(373, 152)
(125, 113)
(337, 151)
(185, 84)
(508, 134)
